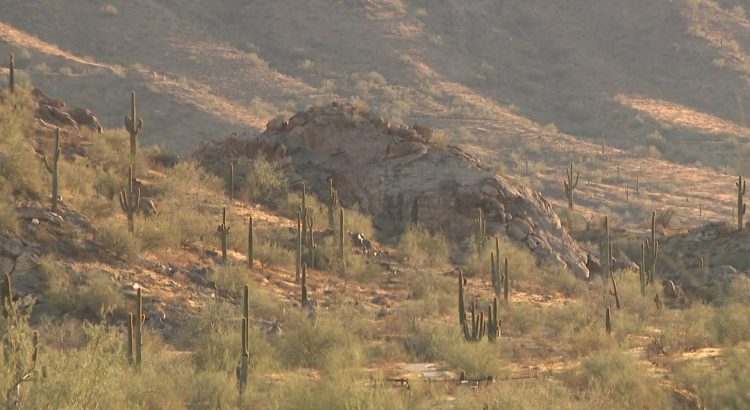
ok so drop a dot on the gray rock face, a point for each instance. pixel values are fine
(384, 168)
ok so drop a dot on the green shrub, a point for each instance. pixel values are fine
(19, 165)
(621, 378)
(8, 214)
(260, 180)
(719, 389)
(113, 236)
(424, 249)
(320, 343)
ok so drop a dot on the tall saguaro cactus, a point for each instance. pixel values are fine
(651, 253)
(129, 200)
(481, 231)
(493, 322)
(342, 254)
(138, 334)
(570, 185)
(250, 243)
(134, 125)
(608, 321)
(461, 304)
(131, 334)
(303, 285)
(607, 262)
(6, 296)
(231, 182)
(243, 368)
(298, 263)
(52, 169)
(12, 73)
(333, 203)
(741, 207)
(223, 231)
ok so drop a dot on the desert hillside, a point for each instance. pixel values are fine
(382, 204)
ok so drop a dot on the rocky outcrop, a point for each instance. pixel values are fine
(58, 113)
(384, 168)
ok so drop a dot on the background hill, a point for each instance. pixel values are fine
(521, 84)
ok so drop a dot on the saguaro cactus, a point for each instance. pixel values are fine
(652, 252)
(303, 285)
(139, 329)
(129, 200)
(481, 231)
(461, 305)
(741, 207)
(12, 73)
(298, 264)
(642, 279)
(607, 262)
(333, 203)
(134, 125)
(608, 321)
(242, 369)
(342, 254)
(223, 231)
(493, 322)
(570, 185)
(6, 296)
(506, 284)
(231, 182)
(415, 211)
(250, 242)
(52, 169)
(131, 331)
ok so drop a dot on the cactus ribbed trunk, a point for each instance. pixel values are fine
(741, 207)
(134, 125)
(250, 256)
(129, 200)
(131, 324)
(53, 170)
(506, 285)
(342, 255)
(298, 262)
(223, 231)
(12, 73)
(139, 330)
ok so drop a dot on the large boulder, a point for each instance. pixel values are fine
(384, 169)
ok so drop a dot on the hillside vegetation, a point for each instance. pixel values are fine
(138, 275)
(344, 350)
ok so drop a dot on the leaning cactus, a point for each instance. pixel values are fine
(741, 207)
(130, 198)
(12, 73)
(223, 231)
(134, 125)
(52, 169)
